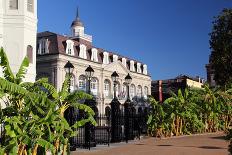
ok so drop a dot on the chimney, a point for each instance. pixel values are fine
(160, 91)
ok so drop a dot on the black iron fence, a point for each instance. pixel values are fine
(117, 125)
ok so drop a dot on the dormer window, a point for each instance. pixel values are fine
(145, 69)
(139, 68)
(105, 58)
(82, 53)
(43, 46)
(69, 47)
(115, 58)
(94, 56)
(13, 4)
(30, 5)
(124, 61)
(132, 66)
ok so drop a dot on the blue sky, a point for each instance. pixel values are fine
(170, 36)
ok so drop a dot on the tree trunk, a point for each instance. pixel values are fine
(181, 125)
(34, 152)
(65, 150)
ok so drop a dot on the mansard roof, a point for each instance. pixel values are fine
(57, 45)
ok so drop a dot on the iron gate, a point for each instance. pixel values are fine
(119, 124)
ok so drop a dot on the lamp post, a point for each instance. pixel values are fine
(69, 70)
(127, 109)
(89, 74)
(115, 77)
(70, 111)
(89, 129)
(115, 108)
(128, 80)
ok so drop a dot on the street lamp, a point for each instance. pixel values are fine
(89, 74)
(92, 104)
(69, 70)
(115, 77)
(115, 112)
(128, 80)
(70, 113)
(127, 108)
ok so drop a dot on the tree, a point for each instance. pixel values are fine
(33, 117)
(221, 48)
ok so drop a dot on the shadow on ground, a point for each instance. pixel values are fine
(219, 137)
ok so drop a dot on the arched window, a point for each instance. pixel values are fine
(72, 83)
(145, 92)
(13, 4)
(94, 86)
(132, 91)
(30, 53)
(107, 111)
(106, 88)
(139, 91)
(30, 5)
(82, 83)
(117, 89)
(124, 91)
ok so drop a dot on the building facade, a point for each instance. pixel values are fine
(18, 29)
(54, 51)
(161, 89)
(210, 73)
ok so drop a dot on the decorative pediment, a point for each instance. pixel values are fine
(116, 66)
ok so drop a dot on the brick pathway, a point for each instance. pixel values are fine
(209, 144)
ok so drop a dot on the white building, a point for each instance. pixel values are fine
(18, 29)
(55, 50)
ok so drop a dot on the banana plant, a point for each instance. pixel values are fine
(33, 119)
(64, 100)
(159, 119)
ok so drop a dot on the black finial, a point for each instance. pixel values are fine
(77, 15)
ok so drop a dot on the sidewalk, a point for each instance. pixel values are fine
(207, 144)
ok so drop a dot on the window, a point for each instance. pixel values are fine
(106, 88)
(105, 58)
(124, 91)
(82, 53)
(117, 88)
(94, 56)
(124, 62)
(94, 86)
(13, 4)
(145, 92)
(30, 53)
(82, 83)
(30, 5)
(139, 91)
(145, 69)
(107, 111)
(132, 66)
(115, 58)
(132, 91)
(139, 68)
(72, 83)
(43, 46)
(69, 47)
